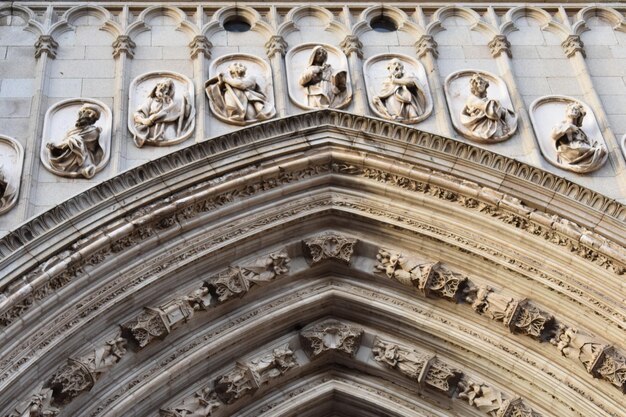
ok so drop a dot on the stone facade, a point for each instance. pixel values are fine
(312, 209)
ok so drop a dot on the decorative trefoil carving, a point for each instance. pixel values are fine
(573, 44)
(351, 44)
(420, 367)
(426, 44)
(275, 45)
(123, 44)
(46, 45)
(329, 246)
(432, 279)
(236, 281)
(200, 45)
(156, 323)
(80, 375)
(498, 45)
(331, 336)
(38, 405)
(518, 315)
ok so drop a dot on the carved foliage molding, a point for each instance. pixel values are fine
(329, 246)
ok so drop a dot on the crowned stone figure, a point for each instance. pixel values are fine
(324, 87)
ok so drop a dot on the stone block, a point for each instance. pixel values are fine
(148, 52)
(3, 52)
(10, 69)
(71, 87)
(17, 87)
(71, 52)
(565, 86)
(83, 69)
(102, 87)
(99, 52)
(15, 107)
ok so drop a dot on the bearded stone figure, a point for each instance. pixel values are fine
(485, 118)
(80, 152)
(575, 151)
(401, 98)
(325, 88)
(163, 117)
(237, 97)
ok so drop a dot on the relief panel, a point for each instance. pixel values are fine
(11, 162)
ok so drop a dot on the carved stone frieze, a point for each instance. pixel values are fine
(123, 44)
(46, 45)
(38, 405)
(518, 315)
(200, 45)
(236, 281)
(426, 44)
(432, 279)
(203, 403)
(573, 44)
(498, 45)
(80, 375)
(422, 368)
(352, 45)
(331, 336)
(329, 246)
(275, 45)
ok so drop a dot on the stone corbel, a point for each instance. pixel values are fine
(329, 246)
(200, 45)
(498, 45)
(351, 44)
(426, 44)
(573, 44)
(46, 45)
(275, 45)
(331, 336)
(123, 44)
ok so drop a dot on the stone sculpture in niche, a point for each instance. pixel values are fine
(573, 147)
(161, 109)
(237, 97)
(575, 143)
(485, 117)
(324, 87)
(83, 150)
(11, 157)
(401, 97)
(476, 115)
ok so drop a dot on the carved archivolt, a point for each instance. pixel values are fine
(480, 106)
(318, 77)
(397, 87)
(568, 134)
(77, 138)
(240, 89)
(161, 108)
(11, 161)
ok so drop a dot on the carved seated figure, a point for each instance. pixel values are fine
(486, 118)
(401, 97)
(573, 147)
(324, 88)
(7, 192)
(238, 97)
(163, 116)
(79, 152)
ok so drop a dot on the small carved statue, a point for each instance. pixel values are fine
(481, 396)
(238, 97)
(79, 152)
(202, 403)
(163, 116)
(7, 192)
(401, 97)
(324, 88)
(573, 146)
(486, 118)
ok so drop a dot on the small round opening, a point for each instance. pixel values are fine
(236, 24)
(383, 24)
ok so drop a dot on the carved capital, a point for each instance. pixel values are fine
(275, 45)
(498, 45)
(124, 45)
(351, 44)
(329, 246)
(331, 336)
(573, 44)
(200, 45)
(46, 45)
(236, 281)
(235, 384)
(426, 44)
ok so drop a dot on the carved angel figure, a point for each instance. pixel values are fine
(324, 87)
(163, 116)
(573, 146)
(238, 97)
(486, 118)
(79, 152)
(401, 97)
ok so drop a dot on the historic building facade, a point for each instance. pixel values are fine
(327, 210)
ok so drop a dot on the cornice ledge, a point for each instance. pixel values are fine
(74, 218)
